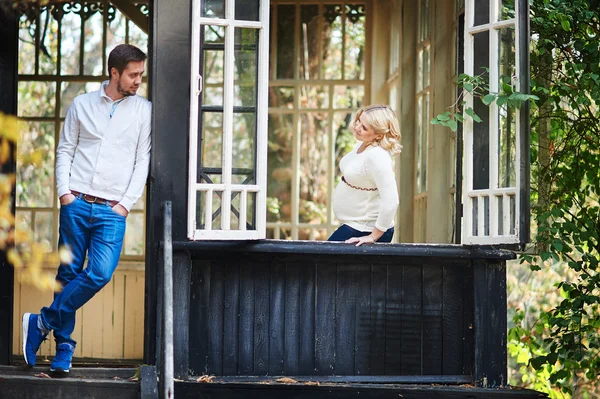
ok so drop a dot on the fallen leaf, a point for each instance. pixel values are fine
(286, 380)
(312, 383)
(206, 378)
(42, 375)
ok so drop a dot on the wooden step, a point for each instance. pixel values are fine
(89, 383)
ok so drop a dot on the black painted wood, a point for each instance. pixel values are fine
(182, 268)
(169, 66)
(489, 280)
(148, 382)
(276, 314)
(8, 105)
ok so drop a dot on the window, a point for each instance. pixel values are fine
(63, 50)
(228, 125)
(318, 77)
(496, 151)
(422, 119)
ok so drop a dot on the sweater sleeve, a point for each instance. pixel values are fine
(379, 167)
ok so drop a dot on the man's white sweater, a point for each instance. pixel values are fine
(360, 209)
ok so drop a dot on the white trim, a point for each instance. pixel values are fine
(193, 134)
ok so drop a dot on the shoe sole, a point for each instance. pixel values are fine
(25, 335)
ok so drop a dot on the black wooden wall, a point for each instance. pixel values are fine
(261, 315)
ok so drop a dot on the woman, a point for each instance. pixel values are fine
(366, 198)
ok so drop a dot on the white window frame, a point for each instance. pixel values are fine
(229, 23)
(469, 193)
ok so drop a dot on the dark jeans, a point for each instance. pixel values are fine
(94, 229)
(344, 232)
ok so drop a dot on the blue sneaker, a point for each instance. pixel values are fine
(32, 338)
(62, 359)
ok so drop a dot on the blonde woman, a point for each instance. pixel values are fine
(366, 199)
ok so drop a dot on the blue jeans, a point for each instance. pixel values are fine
(344, 232)
(94, 229)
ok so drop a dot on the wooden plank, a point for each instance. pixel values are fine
(306, 319)
(362, 341)
(489, 283)
(453, 321)
(325, 319)
(17, 332)
(206, 318)
(246, 332)
(262, 277)
(377, 323)
(91, 344)
(118, 315)
(412, 321)
(182, 266)
(292, 326)
(277, 318)
(432, 319)
(393, 320)
(468, 321)
(213, 292)
(108, 304)
(345, 320)
(231, 319)
(134, 316)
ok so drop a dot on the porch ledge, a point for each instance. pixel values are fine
(337, 248)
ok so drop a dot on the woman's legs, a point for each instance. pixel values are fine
(344, 232)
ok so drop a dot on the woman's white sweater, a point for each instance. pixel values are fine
(363, 210)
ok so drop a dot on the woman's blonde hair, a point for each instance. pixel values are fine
(383, 121)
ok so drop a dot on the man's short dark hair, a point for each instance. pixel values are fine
(122, 55)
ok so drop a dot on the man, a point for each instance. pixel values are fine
(102, 162)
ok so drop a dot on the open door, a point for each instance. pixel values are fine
(496, 150)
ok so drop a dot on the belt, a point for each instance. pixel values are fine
(92, 199)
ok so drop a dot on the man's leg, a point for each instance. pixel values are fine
(74, 233)
(106, 240)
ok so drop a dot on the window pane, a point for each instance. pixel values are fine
(506, 9)
(26, 45)
(49, 41)
(134, 234)
(344, 139)
(332, 41)
(35, 179)
(138, 38)
(313, 168)
(424, 28)
(281, 97)
(500, 207)
(213, 77)
(245, 59)
(279, 180)
(420, 71)
(314, 96)
(213, 8)
(68, 92)
(36, 98)
(481, 131)
(247, 10)
(212, 141)
(244, 141)
(475, 216)
(354, 67)
(507, 124)
(214, 34)
(348, 97)
(286, 15)
(309, 30)
(424, 141)
(115, 34)
(92, 45)
(482, 12)
(42, 230)
(70, 44)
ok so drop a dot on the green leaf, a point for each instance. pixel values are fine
(472, 114)
(452, 125)
(558, 245)
(488, 99)
(566, 25)
(435, 121)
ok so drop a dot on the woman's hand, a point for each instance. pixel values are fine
(360, 240)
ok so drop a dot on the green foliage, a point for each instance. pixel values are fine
(562, 345)
(479, 88)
